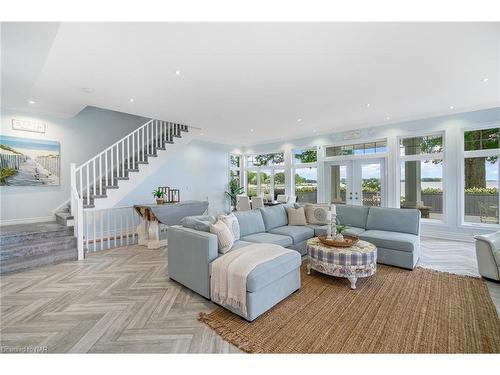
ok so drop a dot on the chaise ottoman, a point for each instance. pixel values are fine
(269, 283)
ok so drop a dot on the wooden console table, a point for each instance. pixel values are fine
(152, 215)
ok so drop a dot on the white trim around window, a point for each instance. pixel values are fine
(461, 173)
(423, 157)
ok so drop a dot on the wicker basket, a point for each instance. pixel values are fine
(348, 241)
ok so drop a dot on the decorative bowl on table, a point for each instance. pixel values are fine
(347, 242)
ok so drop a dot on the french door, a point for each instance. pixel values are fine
(359, 182)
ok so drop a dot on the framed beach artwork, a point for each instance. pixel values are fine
(29, 162)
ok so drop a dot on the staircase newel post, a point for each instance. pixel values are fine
(73, 186)
(79, 222)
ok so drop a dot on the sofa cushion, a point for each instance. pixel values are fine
(392, 240)
(250, 222)
(274, 216)
(298, 233)
(266, 273)
(353, 216)
(321, 229)
(264, 237)
(394, 219)
(200, 222)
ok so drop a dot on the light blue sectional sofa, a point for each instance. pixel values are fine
(192, 249)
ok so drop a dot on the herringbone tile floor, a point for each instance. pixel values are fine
(121, 300)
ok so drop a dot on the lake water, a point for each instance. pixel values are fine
(438, 185)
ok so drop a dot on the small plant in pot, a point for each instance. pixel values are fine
(340, 229)
(158, 194)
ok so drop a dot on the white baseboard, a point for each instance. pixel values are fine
(29, 220)
(446, 235)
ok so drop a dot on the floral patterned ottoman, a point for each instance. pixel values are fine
(359, 260)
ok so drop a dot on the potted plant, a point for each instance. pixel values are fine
(340, 229)
(158, 194)
(234, 191)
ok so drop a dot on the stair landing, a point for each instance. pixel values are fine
(27, 246)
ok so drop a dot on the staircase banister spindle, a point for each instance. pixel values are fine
(114, 144)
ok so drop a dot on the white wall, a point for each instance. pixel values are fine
(451, 125)
(200, 170)
(81, 137)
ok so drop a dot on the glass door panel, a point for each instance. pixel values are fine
(265, 182)
(338, 191)
(356, 182)
(371, 184)
(279, 182)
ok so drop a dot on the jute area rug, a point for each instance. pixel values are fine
(394, 311)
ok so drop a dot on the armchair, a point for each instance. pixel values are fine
(488, 255)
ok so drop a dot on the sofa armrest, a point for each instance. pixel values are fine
(189, 255)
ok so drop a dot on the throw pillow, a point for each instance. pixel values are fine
(316, 213)
(232, 223)
(225, 238)
(296, 216)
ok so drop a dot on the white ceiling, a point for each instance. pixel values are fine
(235, 77)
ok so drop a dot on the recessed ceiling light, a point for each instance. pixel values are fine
(314, 130)
(178, 72)
(31, 102)
(485, 79)
(201, 133)
(131, 100)
(388, 118)
(299, 120)
(451, 107)
(368, 105)
(87, 90)
(251, 130)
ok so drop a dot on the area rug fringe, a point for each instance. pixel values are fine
(228, 335)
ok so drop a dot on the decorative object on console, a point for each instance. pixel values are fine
(165, 190)
(174, 196)
(158, 194)
(29, 162)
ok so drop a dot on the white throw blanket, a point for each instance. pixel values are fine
(228, 284)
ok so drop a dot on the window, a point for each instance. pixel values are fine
(432, 144)
(481, 169)
(357, 149)
(264, 172)
(306, 184)
(305, 156)
(265, 160)
(422, 175)
(305, 172)
(251, 183)
(235, 168)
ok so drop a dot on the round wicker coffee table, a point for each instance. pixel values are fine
(359, 260)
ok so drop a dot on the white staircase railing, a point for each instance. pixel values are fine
(91, 179)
